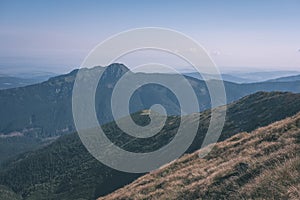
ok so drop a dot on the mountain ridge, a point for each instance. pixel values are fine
(44, 111)
(52, 100)
(65, 170)
(262, 164)
(285, 79)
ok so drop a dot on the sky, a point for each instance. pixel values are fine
(57, 35)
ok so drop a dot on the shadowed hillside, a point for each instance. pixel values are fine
(65, 170)
(8, 194)
(263, 164)
(44, 110)
(32, 114)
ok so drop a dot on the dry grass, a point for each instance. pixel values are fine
(263, 164)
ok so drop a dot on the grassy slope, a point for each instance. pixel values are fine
(64, 169)
(263, 164)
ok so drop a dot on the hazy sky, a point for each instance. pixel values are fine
(57, 35)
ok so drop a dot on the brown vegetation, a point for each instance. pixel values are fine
(263, 164)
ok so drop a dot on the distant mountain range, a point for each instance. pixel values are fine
(44, 110)
(225, 77)
(23, 79)
(286, 79)
(263, 164)
(35, 115)
(248, 77)
(65, 170)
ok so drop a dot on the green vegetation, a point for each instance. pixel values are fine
(11, 146)
(7, 194)
(65, 170)
(43, 110)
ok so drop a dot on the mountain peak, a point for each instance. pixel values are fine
(117, 66)
(115, 70)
